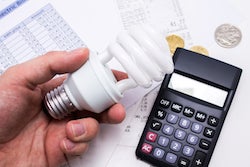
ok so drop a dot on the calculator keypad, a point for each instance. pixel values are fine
(179, 135)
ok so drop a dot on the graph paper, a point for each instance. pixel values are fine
(44, 31)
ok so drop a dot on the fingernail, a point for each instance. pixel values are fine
(78, 129)
(77, 51)
(69, 145)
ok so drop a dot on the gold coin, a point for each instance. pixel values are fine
(199, 49)
(174, 41)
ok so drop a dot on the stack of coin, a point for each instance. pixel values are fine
(226, 35)
(175, 41)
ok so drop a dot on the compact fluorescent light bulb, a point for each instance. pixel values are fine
(141, 51)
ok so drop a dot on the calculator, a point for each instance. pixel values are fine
(188, 113)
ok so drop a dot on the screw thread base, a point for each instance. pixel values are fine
(58, 103)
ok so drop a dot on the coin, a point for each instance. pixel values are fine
(174, 41)
(227, 35)
(199, 49)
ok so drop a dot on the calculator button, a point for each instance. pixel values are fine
(163, 141)
(151, 136)
(213, 121)
(171, 158)
(146, 148)
(208, 132)
(158, 153)
(156, 125)
(172, 118)
(199, 159)
(160, 114)
(200, 116)
(180, 134)
(175, 146)
(183, 162)
(189, 112)
(196, 128)
(176, 107)
(184, 123)
(192, 139)
(168, 130)
(204, 144)
(164, 103)
(188, 151)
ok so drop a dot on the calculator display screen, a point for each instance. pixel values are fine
(198, 89)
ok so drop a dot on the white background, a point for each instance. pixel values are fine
(97, 23)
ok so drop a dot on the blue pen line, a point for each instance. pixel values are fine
(11, 8)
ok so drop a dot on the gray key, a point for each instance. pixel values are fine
(168, 130)
(175, 146)
(163, 141)
(180, 134)
(188, 151)
(158, 153)
(184, 123)
(192, 139)
(171, 158)
(197, 128)
(172, 118)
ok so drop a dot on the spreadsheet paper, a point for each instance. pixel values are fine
(44, 31)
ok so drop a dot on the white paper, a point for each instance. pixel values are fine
(40, 33)
(98, 22)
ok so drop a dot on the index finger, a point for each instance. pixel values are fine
(44, 68)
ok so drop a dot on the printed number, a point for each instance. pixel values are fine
(168, 130)
(158, 152)
(175, 146)
(180, 134)
(172, 117)
(196, 127)
(192, 139)
(187, 151)
(184, 123)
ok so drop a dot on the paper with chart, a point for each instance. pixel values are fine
(166, 15)
(42, 32)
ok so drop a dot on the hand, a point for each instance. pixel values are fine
(29, 137)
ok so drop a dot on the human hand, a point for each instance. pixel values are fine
(28, 137)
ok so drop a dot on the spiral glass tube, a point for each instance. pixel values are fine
(142, 52)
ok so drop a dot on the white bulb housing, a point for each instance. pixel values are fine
(141, 51)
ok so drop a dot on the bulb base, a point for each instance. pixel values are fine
(92, 87)
(58, 103)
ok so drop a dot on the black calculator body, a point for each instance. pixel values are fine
(188, 114)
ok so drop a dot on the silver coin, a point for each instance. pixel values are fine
(227, 35)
